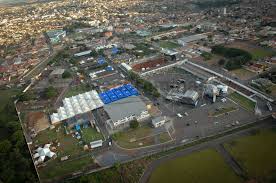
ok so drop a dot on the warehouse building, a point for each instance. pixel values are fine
(188, 39)
(189, 97)
(121, 112)
(57, 74)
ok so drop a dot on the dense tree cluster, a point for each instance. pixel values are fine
(144, 84)
(134, 124)
(206, 55)
(66, 74)
(235, 57)
(50, 92)
(15, 162)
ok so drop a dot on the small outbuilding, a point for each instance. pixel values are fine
(158, 121)
(95, 144)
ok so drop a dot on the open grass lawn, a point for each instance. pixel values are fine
(257, 52)
(261, 53)
(256, 152)
(75, 90)
(56, 168)
(143, 49)
(168, 44)
(242, 73)
(243, 101)
(205, 166)
(90, 134)
(164, 137)
(140, 137)
(68, 144)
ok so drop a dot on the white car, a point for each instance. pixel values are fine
(179, 115)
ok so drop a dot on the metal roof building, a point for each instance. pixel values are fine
(188, 39)
(78, 104)
(132, 106)
(190, 97)
(84, 53)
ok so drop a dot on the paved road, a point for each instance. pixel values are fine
(230, 160)
(210, 144)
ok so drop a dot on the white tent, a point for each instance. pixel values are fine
(78, 104)
(42, 153)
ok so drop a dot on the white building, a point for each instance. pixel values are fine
(97, 143)
(158, 121)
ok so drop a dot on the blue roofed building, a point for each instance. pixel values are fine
(118, 93)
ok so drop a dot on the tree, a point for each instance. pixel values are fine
(221, 62)
(134, 124)
(5, 146)
(66, 74)
(27, 96)
(93, 53)
(206, 55)
(50, 92)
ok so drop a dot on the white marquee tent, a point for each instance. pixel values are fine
(42, 153)
(78, 104)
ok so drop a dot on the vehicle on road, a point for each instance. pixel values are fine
(179, 115)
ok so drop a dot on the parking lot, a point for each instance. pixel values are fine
(196, 122)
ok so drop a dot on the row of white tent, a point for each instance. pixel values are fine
(75, 105)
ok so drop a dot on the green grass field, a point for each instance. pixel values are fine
(140, 137)
(75, 90)
(56, 168)
(90, 134)
(243, 101)
(261, 53)
(256, 153)
(68, 144)
(168, 44)
(143, 49)
(242, 73)
(204, 166)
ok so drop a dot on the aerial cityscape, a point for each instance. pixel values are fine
(138, 91)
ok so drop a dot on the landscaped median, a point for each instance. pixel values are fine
(222, 111)
(243, 101)
(141, 137)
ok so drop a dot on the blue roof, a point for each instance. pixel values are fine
(115, 50)
(109, 68)
(101, 60)
(77, 127)
(118, 93)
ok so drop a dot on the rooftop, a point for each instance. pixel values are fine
(57, 72)
(191, 38)
(132, 105)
